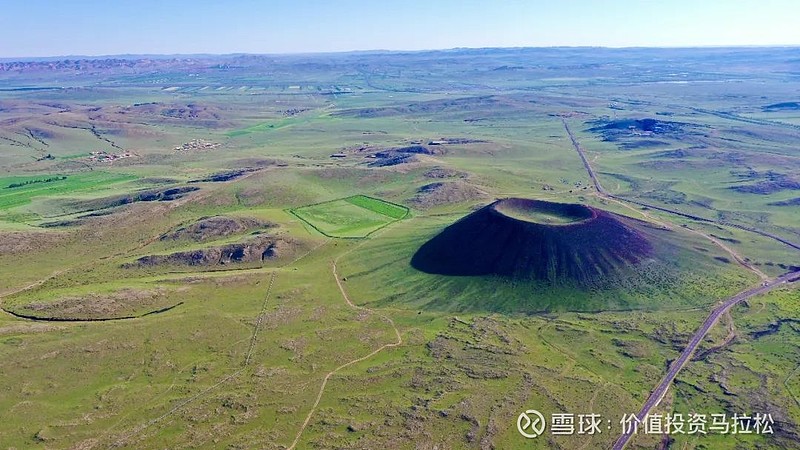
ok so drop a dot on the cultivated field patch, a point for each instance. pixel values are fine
(17, 191)
(352, 217)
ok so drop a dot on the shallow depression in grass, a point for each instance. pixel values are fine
(543, 212)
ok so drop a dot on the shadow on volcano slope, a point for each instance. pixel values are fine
(527, 256)
(523, 238)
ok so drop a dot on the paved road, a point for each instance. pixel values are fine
(601, 190)
(699, 335)
(716, 313)
(586, 164)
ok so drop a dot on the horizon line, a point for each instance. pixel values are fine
(387, 51)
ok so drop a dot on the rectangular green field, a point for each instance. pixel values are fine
(351, 217)
(18, 191)
(396, 212)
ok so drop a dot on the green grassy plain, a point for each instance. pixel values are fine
(240, 360)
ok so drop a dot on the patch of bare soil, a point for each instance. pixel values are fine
(92, 306)
(208, 228)
(384, 157)
(24, 242)
(256, 250)
(770, 183)
(443, 172)
(190, 113)
(443, 193)
(387, 159)
(226, 175)
(455, 105)
(28, 327)
(166, 194)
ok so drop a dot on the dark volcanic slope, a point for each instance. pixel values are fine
(594, 244)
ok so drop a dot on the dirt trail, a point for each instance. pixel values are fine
(350, 363)
(591, 410)
(162, 209)
(248, 357)
(30, 286)
(176, 408)
(718, 311)
(602, 193)
(259, 320)
(731, 326)
(736, 257)
(788, 388)
(733, 254)
(23, 289)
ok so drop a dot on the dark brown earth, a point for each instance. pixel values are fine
(165, 194)
(220, 177)
(774, 182)
(785, 106)
(445, 192)
(631, 134)
(386, 159)
(401, 155)
(93, 305)
(24, 242)
(442, 172)
(208, 228)
(419, 149)
(255, 250)
(488, 242)
(791, 202)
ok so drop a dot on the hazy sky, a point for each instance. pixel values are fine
(101, 27)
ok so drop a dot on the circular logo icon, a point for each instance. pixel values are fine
(531, 424)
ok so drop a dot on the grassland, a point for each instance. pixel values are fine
(352, 217)
(542, 216)
(241, 359)
(19, 191)
(394, 211)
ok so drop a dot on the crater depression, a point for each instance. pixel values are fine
(534, 239)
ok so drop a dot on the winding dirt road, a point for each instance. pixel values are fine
(347, 364)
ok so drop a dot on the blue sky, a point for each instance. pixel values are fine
(102, 27)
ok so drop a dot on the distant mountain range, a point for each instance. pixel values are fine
(504, 59)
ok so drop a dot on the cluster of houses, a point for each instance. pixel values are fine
(196, 144)
(104, 156)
